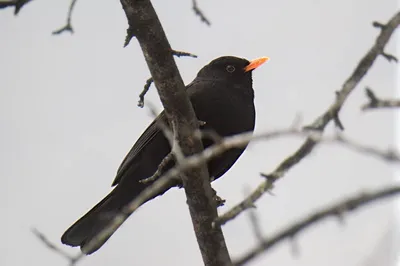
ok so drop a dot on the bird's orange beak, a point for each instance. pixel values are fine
(256, 63)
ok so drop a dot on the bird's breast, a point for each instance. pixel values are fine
(228, 112)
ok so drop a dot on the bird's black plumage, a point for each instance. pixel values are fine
(222, 97)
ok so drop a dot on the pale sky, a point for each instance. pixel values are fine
(68, 116)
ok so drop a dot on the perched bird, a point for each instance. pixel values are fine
(223, 99)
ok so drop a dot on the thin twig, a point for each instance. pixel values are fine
(161, 167)
(169, 135)
(200, 13)
(146, 88)
(255, 225)
(209, 134)
(170, 158)
(336, 210)
(181, 53)
(386, 155)
(68, 25)
(320, 123)
(377, 103)
(72, 259)
(117, 221)
(150, 80)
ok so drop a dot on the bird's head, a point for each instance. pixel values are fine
(231, 69)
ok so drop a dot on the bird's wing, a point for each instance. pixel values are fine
(152, 130)
(149, 134)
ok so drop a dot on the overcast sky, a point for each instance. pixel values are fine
(68, 116)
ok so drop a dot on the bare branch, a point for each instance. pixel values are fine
(336, 210)
(235, 141)
(336, 119)
(18, 4)
(210, 134)
(375, 102)
(386, 155)
(320, 123)
(185, 164)
(169, 135)
(145, 25)
(146, 88)
(389, 57)
(255, 225)
(72, 259)
(68, 25)
(200, 13)
(224, 144)
(150, 80)
(181, 53)
(166, 161)
(147, 193)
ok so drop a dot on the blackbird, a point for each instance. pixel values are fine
(223, 99)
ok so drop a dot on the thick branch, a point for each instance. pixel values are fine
(320, 123)
(336, 210)
(145, 25)
(377, 103)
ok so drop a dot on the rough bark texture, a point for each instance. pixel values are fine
(146, 27)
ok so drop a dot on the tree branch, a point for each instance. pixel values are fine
(18, 4)
(200, 13)
(149, 81)
(386, 155)
(377, 103)
(71, 259)
(320, 123)
(222, 145)
(145, 25)
(182, 53)
(335, 210)
(68, 25)
(227, 143)
(144, 92)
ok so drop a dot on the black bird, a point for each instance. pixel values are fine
(222, 97)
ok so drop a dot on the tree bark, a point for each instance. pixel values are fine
(146, 27)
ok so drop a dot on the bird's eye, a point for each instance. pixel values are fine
(230, 68)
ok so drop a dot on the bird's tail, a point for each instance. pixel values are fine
(94, 221)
